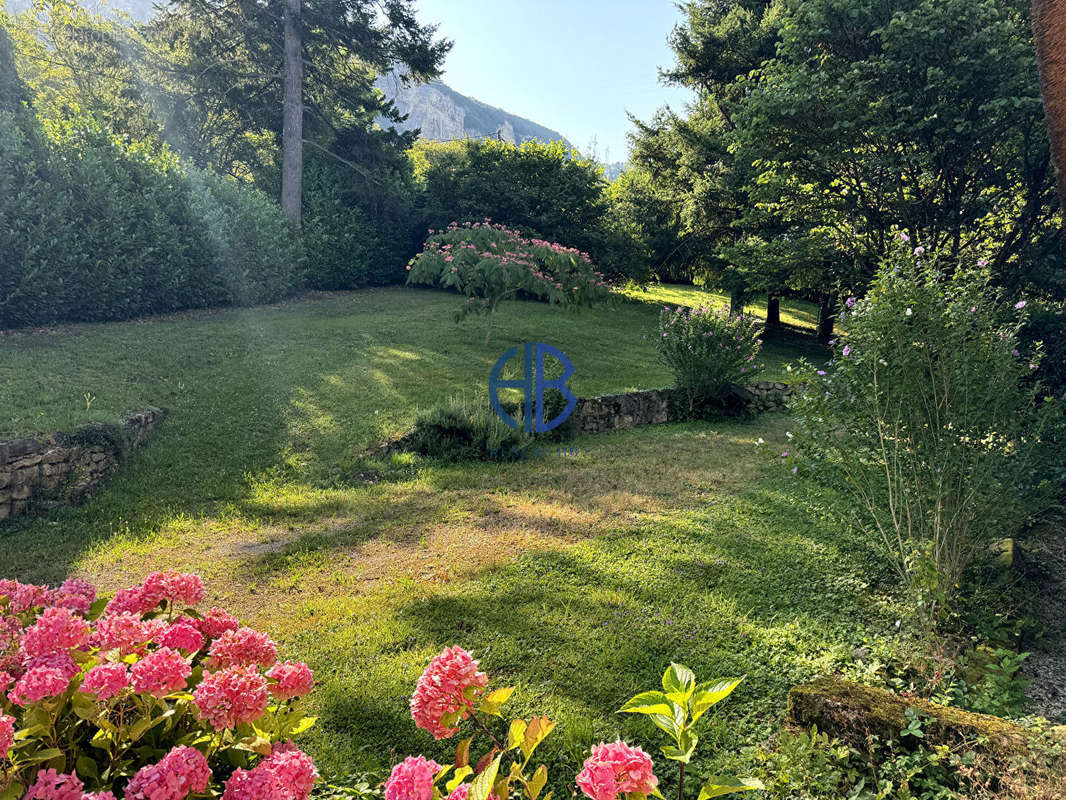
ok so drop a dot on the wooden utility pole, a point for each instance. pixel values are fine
(292, 160)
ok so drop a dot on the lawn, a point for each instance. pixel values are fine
(577, 577)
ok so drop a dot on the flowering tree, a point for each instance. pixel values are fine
(453, 693)
(707, 349)
(145, 695)
(489, 263)
(929, 421)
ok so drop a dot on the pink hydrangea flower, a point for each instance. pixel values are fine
(105, 680)
(293, 770)
(24, 596)
(441, 688)
(216, 622)
(291, 679)
(231, 696)
(76, 594)
(463, 789)
(5, 681)
(7, 734)
(52, 785)
(182, 636)
(255, 784)
(39, 683)
(161, 673)
(99, 796)
(56, 630)
(126, 632)
(177, 588)
(616, 768)
(181, 772)
(132, 600)
(60, 661)
(412, 779)
(242, 647)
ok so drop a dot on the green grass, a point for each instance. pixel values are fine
(578, 578)
(799, 314)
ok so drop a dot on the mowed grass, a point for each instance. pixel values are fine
(799, 314)
(577, 577)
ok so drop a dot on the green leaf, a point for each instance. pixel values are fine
(481, 788)
(86, 767)
(648, 703)
(707, 694)
(669, 725)
(305, 724)
(717, 786)
(494, 700)
(460, 773)
(537, 782)
(536, 732)
(41, 755)
(516, 734)
(678, 682)
(687, 746)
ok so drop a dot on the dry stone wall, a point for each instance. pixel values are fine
(43, 473)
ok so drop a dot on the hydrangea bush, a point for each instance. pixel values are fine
(452, 695)
(144, 696)
(490, 262)
(708, 349)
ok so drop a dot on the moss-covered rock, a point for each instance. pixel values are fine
(850, 711)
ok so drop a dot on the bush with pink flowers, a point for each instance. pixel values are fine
(453, 694)
(489, 263)
(144, 696)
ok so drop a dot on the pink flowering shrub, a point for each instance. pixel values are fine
(453, 692)
(708, 349)
(489, 263)
(143, 697)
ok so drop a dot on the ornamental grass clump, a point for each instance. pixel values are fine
(709, 350)
(490, 262)
(144, 696)
(931, 421)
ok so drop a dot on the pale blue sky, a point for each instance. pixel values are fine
(576, 67)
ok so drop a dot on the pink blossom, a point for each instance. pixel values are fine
(177, 588)
(616, 768)
(1020, 304)
(846, 351)
(7, 734)
(216, 622)
(291, 679)
(851, 301)
(126, 632)
(904, 237)
(133, 600)
(5, 681)
(77, 595)
(412, 779)
(182, 636)
(24, 596)
(243, 646)
(56, 629)
(255, 784)
(161, 673)
(181, 772)
(446, 687)
(39, 683)
(231, 696)
(463, 789)
(106, 680)
(293, 770)
(52, 785)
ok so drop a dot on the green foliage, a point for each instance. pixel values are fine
(675, 711)
(95, 231)
(545, 190)
(928, 422)
(461, 429)
(708, 349)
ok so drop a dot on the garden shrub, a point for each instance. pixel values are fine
(928, 421)
(452, 694)
(460, 429)
(708, 350)
(145, 696)
(489, 263)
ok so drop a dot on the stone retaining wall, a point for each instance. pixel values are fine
(653, 406)
(42, 474)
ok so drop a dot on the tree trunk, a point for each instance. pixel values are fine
(293, 120)
(773, 310)
(736, 301)
(826, 319)
(1049, 31)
